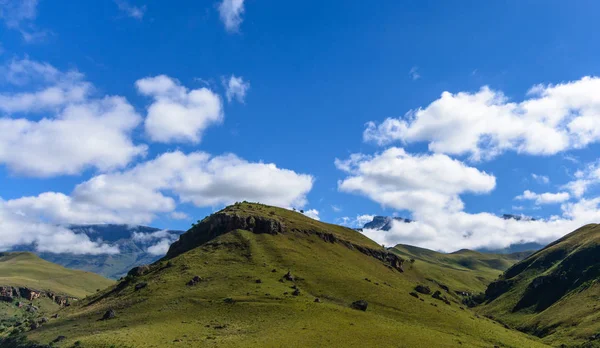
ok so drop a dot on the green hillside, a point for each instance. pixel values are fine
(23, 269)
(243, 294)
(554, 293)
(464, 271)
(50, 286)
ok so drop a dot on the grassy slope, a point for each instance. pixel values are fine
(24, 269)
(464, 270)
(167, 312)
(575, 317)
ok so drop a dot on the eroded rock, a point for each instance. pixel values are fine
(109, 314)
(360, 305)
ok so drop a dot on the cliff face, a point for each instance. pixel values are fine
(222, 222)
(218, 224)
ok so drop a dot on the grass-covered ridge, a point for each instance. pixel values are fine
(262, 218)
(242, 296)
(24, 269)
(464, 270)
(553, 293)
(24, 274)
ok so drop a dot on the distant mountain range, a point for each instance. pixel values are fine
(384, 223)
(138, 245)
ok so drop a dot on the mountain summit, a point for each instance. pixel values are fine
(253, 275)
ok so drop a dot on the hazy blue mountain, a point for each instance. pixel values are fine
(514, 248)
(137, 244)
(383, 222)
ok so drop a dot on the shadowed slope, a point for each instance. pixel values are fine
(553, 293)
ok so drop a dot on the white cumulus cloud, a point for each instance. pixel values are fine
(542, 179)
(176, 113)
(231, 12)
(132, 11)
(19, 15)
(486, 123)
(236, 89)
(312, 213)
(18, 229)
(154, 187)
(75, 131)
(544, 198)
(397, 179)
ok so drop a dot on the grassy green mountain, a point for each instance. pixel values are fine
(553, 293)
(464, 271)
(23, 269)
(32, 288)
(257, 276)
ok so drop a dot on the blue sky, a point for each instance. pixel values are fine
(224, 91)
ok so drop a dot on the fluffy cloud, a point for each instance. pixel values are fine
(359, 221)
(584, 178)
(18, 229)
(177, 215)
(19, 15)
(161, 247)
(236, 88)
(484, 124)
(400, 180)
(178, 114)
(130, 10)
(542, 179)
(394, 178)
(231, 12)
(158, 242)
(312, 213)
(414, 73)
(76, 132)
(137, 195)
(544, 198)
(50, 89)
(449, 231)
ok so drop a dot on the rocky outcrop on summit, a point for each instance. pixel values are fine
(218, 224)
(222, 222)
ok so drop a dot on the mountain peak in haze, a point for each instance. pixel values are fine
(138, 245)
(384, 223)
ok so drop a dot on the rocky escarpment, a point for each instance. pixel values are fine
(218, 224)
(221, 222)
(11, 293)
